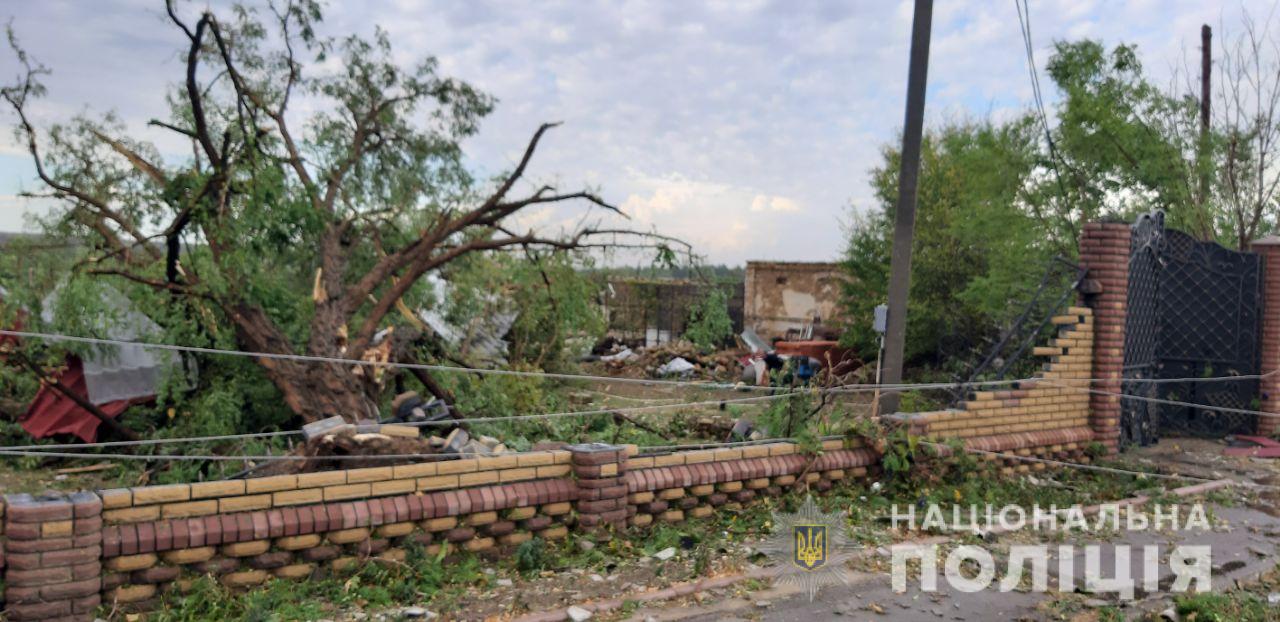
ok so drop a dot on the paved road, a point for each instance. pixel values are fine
(1245, 548)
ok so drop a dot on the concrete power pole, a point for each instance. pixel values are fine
(905, 217)
(1202, 151)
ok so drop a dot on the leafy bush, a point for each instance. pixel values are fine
(709, 325)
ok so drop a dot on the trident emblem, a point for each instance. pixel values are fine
(810, 547)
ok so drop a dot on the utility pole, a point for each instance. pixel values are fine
(905, 217)
(1202, 150)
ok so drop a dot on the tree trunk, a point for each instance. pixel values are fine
(311, 389)
(318, 390)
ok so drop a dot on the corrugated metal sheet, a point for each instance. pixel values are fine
(52, 413)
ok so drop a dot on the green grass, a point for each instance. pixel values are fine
(1238, 606)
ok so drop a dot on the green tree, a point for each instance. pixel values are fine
(976, 245)
(709, 325)
(1122, 146)
(290, 229)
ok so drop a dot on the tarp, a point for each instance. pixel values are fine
(116, 373)
(51, 412)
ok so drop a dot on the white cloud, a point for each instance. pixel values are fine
(17, 212)
(762, 203)
(754, 124)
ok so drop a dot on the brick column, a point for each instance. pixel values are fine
(602, 496)
(53, 556)
(1269, 387)
(1104, 250)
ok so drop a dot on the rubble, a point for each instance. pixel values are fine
(677, 366)
(678, 358)
(723, 427)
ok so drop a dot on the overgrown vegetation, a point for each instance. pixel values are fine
(998, 199)
(709, 326)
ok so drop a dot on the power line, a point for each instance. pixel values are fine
(1024, 23)
(368, 363)
(221, 458)
(1157, 400)
(906, 386)
(161, 441)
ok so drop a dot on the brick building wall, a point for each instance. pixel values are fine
(784, 297)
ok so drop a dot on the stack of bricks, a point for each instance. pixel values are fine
(1269, 365)
(1104, 252)
(53, 556)
(1050, 410)
(602, 496)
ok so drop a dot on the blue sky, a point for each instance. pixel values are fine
(747, 127)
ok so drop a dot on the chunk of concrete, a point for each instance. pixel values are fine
(332, 425)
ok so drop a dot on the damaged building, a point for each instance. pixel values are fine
(654, 311)
(792, 300)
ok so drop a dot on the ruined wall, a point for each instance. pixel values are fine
(787, 296)
(1048, 416)
(655, 311)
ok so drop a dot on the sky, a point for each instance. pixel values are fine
(748, 128)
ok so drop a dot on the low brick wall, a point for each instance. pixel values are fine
(66, 554)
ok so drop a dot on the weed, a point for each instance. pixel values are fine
(532, 557)
(1229, 607)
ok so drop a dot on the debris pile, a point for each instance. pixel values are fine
(678, 359)
(335, 443)
(727, 429)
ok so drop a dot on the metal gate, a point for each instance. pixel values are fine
(1193, 312)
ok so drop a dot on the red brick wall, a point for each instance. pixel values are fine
(1104, 251)
(127, 547)
(1269, 387)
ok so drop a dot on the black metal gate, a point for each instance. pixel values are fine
(1193, 312)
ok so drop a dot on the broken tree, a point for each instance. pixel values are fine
(288, 232)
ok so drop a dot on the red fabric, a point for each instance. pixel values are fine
(52, 413)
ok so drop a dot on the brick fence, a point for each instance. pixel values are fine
(66, 554)
(1047, 416)
(1104, 251)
